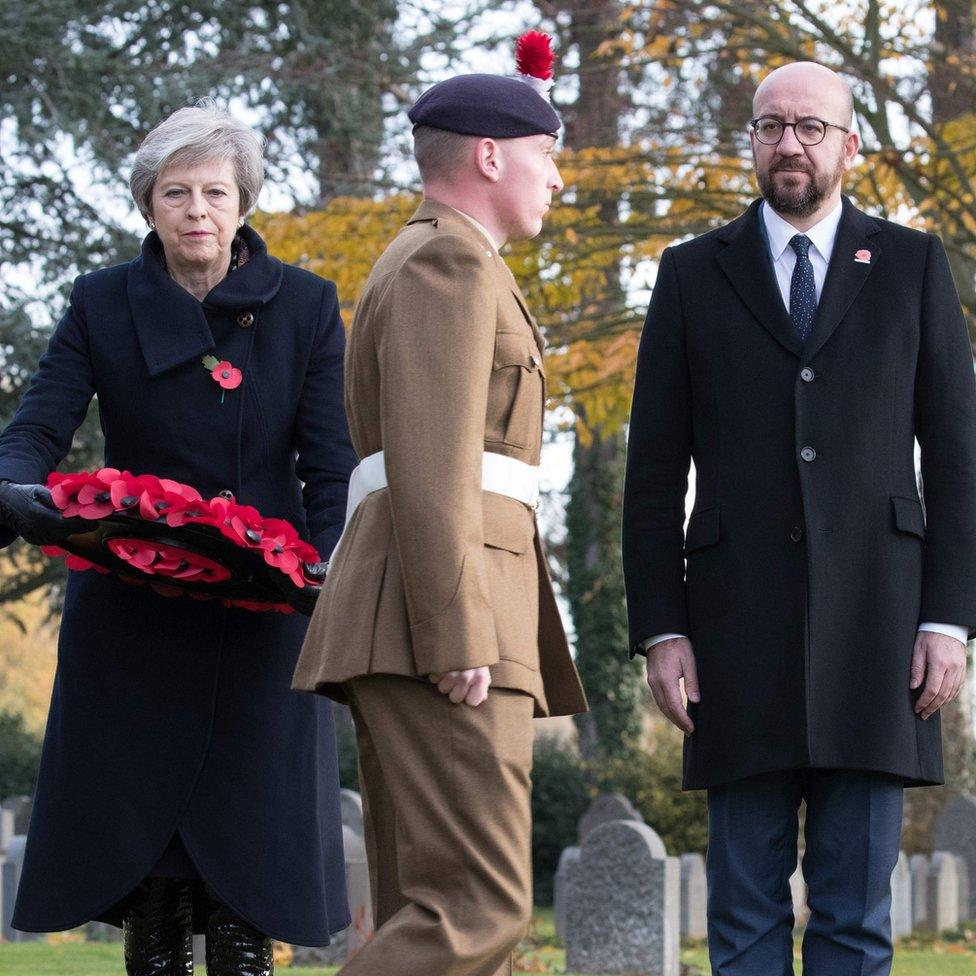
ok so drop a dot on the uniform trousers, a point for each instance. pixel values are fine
(852, 834)
(447, 823)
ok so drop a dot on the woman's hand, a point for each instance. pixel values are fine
(31, 513)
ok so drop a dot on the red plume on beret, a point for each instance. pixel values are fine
(534, 55)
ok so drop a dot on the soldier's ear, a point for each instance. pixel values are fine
(488, 159)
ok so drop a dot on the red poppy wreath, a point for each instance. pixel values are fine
(155, 530)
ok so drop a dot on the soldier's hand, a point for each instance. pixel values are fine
(470, 687)
(938, 663)
(667, 663)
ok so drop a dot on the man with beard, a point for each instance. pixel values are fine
(795, 355)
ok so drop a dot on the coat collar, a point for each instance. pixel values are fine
(747, 265)
(432, 212)
(170, 323)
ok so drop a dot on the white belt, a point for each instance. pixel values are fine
(500, 474)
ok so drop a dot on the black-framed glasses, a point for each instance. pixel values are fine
(809, 131)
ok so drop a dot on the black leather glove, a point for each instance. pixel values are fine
(31, 513)
(316, 571)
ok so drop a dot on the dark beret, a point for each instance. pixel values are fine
(486, 105)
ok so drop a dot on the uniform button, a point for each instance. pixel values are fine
(226, 493)
(806, 374)
(245, 319)
(796, 533)
(808, 454)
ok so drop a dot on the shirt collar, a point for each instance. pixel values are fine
(480, 227)
(780, 232)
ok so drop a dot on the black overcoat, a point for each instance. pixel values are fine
(172, 714)
(810, 561)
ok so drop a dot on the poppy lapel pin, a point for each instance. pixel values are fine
(862, 257)
(224, 374)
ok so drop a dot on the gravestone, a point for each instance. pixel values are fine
(955, 831)
(6, 829)
(568, 861)
(604, 809)
(798, 893)
(901, 898)
(21, 807)
(351, 805)
(10, 868)
(919, 865)
(943, 907)
(350, 940)
(624, 903)
(694, 897)
(965, 895)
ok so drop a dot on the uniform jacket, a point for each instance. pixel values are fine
(444, 362)
(171, 714)
(810, 558)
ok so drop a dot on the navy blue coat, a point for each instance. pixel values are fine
(171, 714)
(808, 561)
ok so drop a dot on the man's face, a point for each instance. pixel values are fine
(794, 178)
(529, 180)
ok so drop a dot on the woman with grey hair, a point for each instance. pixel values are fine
(183, 786)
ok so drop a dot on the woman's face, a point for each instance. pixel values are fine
(196, 211)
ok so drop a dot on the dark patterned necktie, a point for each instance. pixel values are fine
(803, 289)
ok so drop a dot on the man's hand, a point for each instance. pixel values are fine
(470, 687)
(667, 662)
(940, 662)
(30, 512)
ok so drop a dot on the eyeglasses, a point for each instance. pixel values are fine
(808, 131)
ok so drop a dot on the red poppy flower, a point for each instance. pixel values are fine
(84, 495)
(227, 375)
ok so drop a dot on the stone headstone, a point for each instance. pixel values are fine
(919, 866)
(901, 898)
(351, 804)
(694, 897)
(568, 861)
(605, 808)
(798, 894)
(10, 869)
(350, 940)
(955, 831)
(943, 908)
(965, 894)
(6, 829)
(624, 903)
(21, 807)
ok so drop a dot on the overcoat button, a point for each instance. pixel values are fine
(806, 374)
(796, 534)
(245, 319)
(226, 493)
(808, 454)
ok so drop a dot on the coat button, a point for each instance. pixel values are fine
(245, 320)
(796, 533)
(808, 454)
(226, 493)
(806, 374)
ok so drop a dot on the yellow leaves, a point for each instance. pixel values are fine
(341, 242)
(595, 378)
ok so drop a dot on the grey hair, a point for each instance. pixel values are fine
(194, 135)
(439, 152)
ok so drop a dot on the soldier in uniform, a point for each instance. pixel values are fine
(437, 623)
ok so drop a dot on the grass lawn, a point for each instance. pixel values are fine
(541, 953)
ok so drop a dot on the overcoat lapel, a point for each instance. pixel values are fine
(746, 263)
(845, 275)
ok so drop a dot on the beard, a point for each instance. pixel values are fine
(804, 197)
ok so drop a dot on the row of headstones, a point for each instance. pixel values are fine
(622, 904)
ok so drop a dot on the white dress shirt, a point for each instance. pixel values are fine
(779, 233)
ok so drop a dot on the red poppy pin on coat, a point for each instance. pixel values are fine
(862, 257)
(224, 374)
